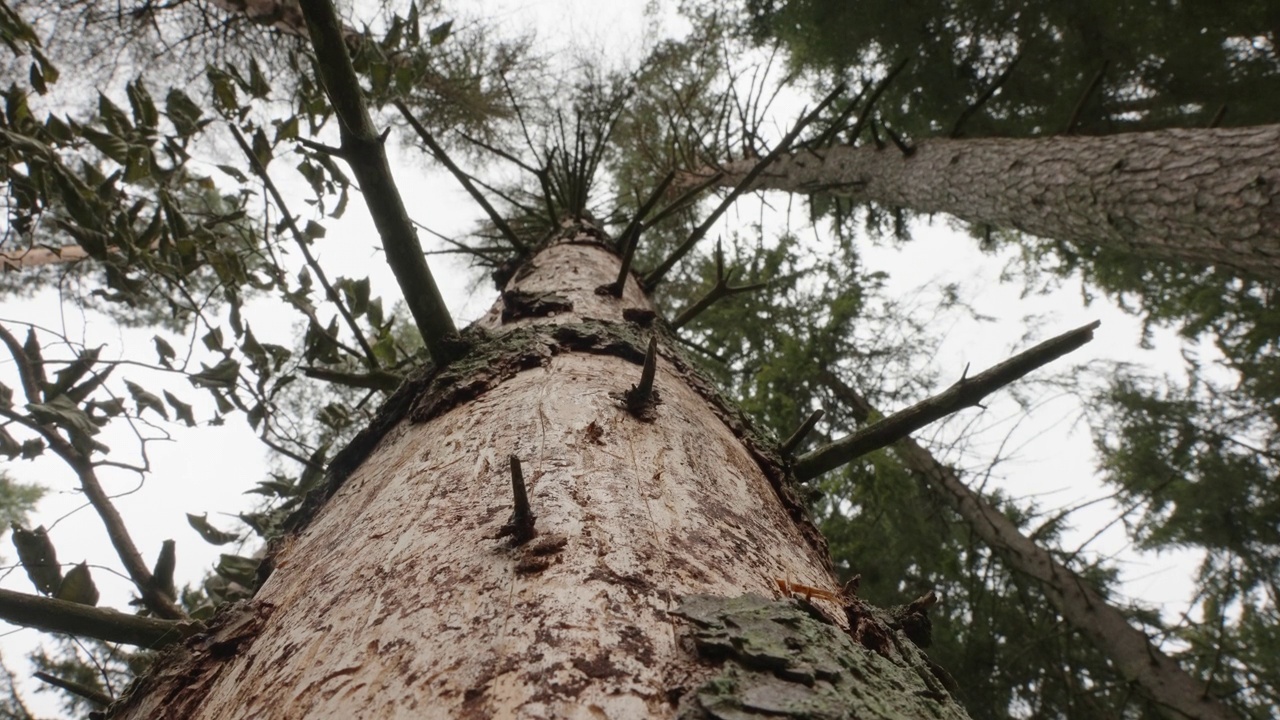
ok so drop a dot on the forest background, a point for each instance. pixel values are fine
(1132, 459)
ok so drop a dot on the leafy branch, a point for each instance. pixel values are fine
(364, 150)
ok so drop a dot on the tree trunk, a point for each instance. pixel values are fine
(648, 590)
(1158, 677)
(1210, 197)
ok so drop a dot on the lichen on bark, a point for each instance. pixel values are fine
(781, 659)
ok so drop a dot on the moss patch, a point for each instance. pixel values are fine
(780, 659)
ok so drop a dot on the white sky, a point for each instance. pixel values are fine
(208, 469)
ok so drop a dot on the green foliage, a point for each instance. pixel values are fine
(1162, 64)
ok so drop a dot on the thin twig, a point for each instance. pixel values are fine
(301, 241)
(463, 179)
(1084, 97)
(653, 278)
(683, 201)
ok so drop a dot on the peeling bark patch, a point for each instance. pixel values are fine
(180, 678)
(643, 317)
(634, 583)
(597, 668)
(517, 304)
(779, 660)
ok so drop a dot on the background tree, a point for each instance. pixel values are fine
(979, 70)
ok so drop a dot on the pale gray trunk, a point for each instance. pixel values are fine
(1158, 677)
(397, 599)
(1210, 197)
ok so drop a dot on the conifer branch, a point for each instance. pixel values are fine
(60, 616)
(301, 241)
(986, 96)
(463, 179)
(630, 237)
(654, 277)
(966, 392)
(722, 289)
(93, 695)
(365, 152)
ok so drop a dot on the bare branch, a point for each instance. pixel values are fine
(985, 96)
(875, 96)
(653, 278)
(631, 235)
(60, 616)
(722, 289)
(91, 694)
(462, 177)
(966, 392)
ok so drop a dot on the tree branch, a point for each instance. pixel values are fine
(653, 278)
(154, 599)
(722, 289)
(364, 151)
(380, 380)
(875, 96)
(445, 160)
(91, 694)
(966, 392)
(630, 237)
(329, 291)
(60, 616)
(985, 96)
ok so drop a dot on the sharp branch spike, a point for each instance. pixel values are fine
(520, 526)
(640, 398)
(789, 446)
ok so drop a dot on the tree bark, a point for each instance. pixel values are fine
(647, 591)
(1211, 197)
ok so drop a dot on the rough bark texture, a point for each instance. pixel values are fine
(1207, 196)
(396, 599)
